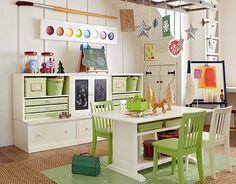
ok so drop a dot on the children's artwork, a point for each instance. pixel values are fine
(209, 80)
(150, 52)
(68, 31)
(208, 77)
(93, 59)
(127, 20)
(197, 73)
(166, 26)
(174, 48)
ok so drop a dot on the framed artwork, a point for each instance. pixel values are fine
(209, 82)
(149, 52)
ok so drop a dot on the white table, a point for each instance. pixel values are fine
(127, 159)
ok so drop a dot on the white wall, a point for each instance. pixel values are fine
(228, 40)
(20, 32)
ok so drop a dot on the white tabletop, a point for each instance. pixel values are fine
(176, 112)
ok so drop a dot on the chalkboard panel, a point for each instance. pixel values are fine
(81, 94)
(100, 86)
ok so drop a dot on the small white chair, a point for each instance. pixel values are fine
(218, 134)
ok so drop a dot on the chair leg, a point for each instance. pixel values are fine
(227, 154)
(180, 170)
(211, 154)
(110, 149)
(173, 165)
(200, 166)
(155, 162)
(94, 145)
(186, 162)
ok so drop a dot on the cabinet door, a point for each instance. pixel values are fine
(80, 99)
(100, 88)
(167, 76)
(153, 78)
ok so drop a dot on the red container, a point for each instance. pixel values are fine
(148, 149)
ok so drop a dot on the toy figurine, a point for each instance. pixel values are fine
(169, 96)
(64, 115)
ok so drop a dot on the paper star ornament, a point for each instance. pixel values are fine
(191, 32)
(143, 29)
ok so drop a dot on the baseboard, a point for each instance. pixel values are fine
(6, 141)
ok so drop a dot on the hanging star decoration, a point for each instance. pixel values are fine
(155, 23)
(181, 43)
(191, 32)
(143, 29)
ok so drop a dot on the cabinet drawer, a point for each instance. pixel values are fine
(45, 115)
(150, 126)
(47, 134)
(46, 108)
(84, 128)
(172, 122)
(46, 101)
(167, 68)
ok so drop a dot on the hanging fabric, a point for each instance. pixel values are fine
(166, 23)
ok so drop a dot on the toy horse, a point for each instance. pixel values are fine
(162, 105)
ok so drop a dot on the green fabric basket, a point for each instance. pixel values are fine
(86, 164)
(55, 85)
(131, 83)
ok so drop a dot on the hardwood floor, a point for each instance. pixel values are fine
(13, 154)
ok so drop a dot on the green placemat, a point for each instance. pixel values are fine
(63, 175)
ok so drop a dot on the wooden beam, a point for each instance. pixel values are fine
(202, 4)
(184, 5)
(195, 9)
(153, 4)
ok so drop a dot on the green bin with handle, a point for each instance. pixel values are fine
(131, 83)
(55, 85)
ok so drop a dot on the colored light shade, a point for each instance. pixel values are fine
(69, 32)
(87, 33)
(111, 36)
(78, 33)
(95, 34)
(50, 30)
(60, 31)
(103, 35)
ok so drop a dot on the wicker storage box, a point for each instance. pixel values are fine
(35, 87)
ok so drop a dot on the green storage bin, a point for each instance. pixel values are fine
(131, 83)
(55, 85)
(34, 87)
(136, 106)
(150, 126)
(119, 84)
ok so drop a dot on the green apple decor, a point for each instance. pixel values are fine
(137, 104)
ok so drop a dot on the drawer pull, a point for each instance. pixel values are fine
(66, 131)
(86, 129)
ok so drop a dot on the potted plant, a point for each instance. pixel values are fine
(137, 104)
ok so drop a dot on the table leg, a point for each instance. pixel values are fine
(125, 150)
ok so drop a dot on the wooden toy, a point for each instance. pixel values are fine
(162, 105)
(169, 96)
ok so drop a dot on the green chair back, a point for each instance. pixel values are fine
(191, 129)
(101, 123)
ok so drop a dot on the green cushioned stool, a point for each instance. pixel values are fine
(189, 141)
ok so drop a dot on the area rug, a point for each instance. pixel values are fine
(62, 175)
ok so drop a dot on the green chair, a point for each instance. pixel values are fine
(189, 141)
(102, 127)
